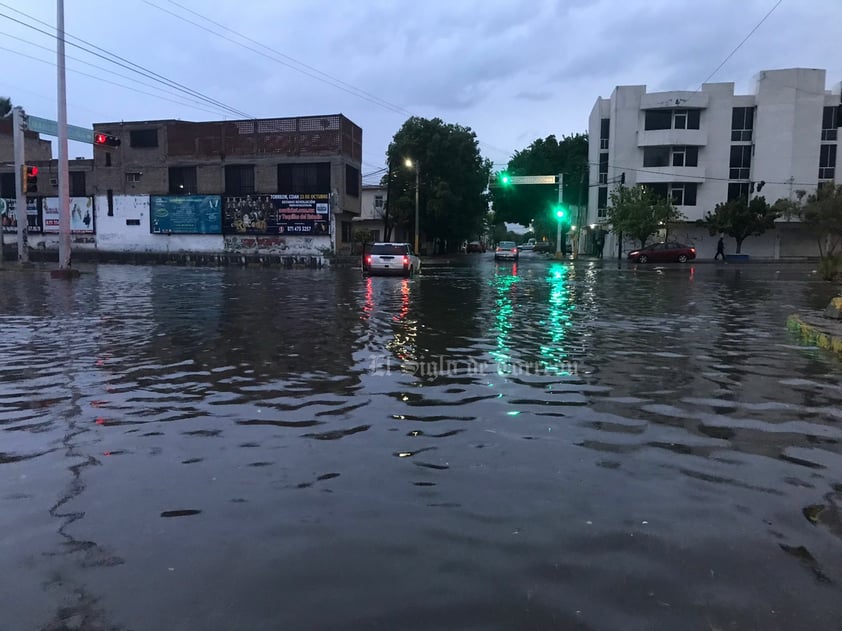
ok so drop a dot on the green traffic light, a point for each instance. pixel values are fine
(505, 180)
(559, 212)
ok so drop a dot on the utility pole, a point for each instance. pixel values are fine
(63, 168)
(417, 197)
(20, 194)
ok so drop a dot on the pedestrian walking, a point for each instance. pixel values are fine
(720, 250)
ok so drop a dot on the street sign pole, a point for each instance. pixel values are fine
(560, 177)
(20, 194)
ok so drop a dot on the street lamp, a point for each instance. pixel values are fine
(417, 166)
(559, 215)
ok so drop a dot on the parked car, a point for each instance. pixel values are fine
(665, 252)
(391, 258)
(475, 246)
(529, 245)
(506, 250)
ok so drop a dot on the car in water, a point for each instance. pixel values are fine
(528, 246)
(391, 258)
(475, 246)
(506, 250)
(664, 252)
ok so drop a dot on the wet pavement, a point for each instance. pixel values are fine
(486, 446)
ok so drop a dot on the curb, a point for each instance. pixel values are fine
(814, 335)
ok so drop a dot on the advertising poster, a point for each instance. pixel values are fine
(251, 214)
(307, 214)
(9, 217)
(185, 214)
(81, 214)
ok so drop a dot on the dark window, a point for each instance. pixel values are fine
(601, 200)
(346, 231)
(110, 194)
(603, 168)
(830, 122)
(7, 185)
(742, 122)
(388, 248)
(684, 194)
(656, 156)
(132, 222)
(311, 177)
(239, 179)
(660, 190)
(605, 127)
(740, 162)
(683, 156)
(737, 190)
(107, 159)
(183, 181)
(77, 184)
(352, 181)
(680, 119)
(658, 119)
(694, 118)
(827, 162)
(142, 138)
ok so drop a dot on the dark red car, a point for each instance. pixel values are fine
(667, 252)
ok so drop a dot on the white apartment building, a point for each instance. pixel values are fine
(706, 147)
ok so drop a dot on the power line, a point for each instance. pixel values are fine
(183, 101)
(751, 32)
(122, 62)
(303, 69)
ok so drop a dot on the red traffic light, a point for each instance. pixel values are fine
(106, 140)
(32, 171)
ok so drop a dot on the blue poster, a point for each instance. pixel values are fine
(185, 214)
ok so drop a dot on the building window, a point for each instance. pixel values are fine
(685, 156)
(683, 194)
(686, 119)
(107, 158)
(239, 179)
(660, 190)
(658, 119)
(737, 190)
(656, 156)
(77, 184)
(352, 181)
(110, 197)
(346, 232)
(133, 177)
(830, 123)
(378, 202)
(143, 138)
(183, 181)
(603, 168)
(604, 129)
(740, 162)
(311, 177)
(742, 122)
(7, 185)
(827, 162)
(602, 201)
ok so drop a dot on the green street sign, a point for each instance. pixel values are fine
(50, 128)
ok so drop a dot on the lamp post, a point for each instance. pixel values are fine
(417, 166)
(559, 215)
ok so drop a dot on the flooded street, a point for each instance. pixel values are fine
(539, 445)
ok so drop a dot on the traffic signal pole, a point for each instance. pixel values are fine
(63, 168)
(20, 194)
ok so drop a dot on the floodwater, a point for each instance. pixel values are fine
(544, 445)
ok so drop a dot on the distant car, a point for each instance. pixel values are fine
(529, 245)
(475, 246)
(391, 258)
(506, 250)
(665, 252)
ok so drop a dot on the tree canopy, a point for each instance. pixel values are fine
(822, 214)
(5, 106)
(453, 180)
(639, 213)
(741, 219)
(531, 204)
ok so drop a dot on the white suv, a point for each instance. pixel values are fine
(391, 258)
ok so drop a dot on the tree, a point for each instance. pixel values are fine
(741, 219)
(639, 213)
(453, 180)
(5, 106)
(822, 213)
(531, 204)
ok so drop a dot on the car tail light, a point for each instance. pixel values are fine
(406, 260)
(368, 259)
(693, 250)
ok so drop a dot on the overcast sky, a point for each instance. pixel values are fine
(512, 71)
